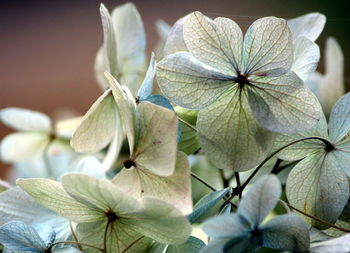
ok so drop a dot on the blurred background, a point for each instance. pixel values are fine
(47, 48)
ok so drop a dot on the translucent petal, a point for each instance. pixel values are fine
(339, 245)
(216, 43)
(119, 237)
(226, 226)
(25, 120)
(175, 41)
(65, 128)
(23, 146)
(156, 139)
(174, 189)
(306, 57)
(267, 47)
(98, 126)
(17, 235)
(161, 222)
(190, 83)
(286, 232)
(342, 156)
(260, 200)
(51, 194)
(100, 195)
(16, 204)
(308, 25)
(192, 245)
(332, 86)
(315, 184)
(283, 104)
(147, 85)
(339, 120)
(229, 134)
(126, 108)
(300, 150)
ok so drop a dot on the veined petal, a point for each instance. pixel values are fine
(174, 189)
(22, 146)
(302, 149)
(16, 235)
(98, 126)
(119, 237)
(332, 86)
(96, 194)
(339, 120)
(126, 108)
(283, 104)
(131, 44)
(229, 134)
(190, 83)
(155, 139)
(175, 41)
(16, 204)
(216, 43)
(25, 120)
(306, 57)
(267, 47)
(226, 226)
(109, 47)
(308, 25)
(51, 194)
(161, 222)
(260, 200)
(315, 184)
(342, 156)
(286, 232)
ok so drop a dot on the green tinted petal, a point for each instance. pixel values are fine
(174, 189)
(51, 194)
(229, 133)
(283, 104)
(156, 139)
(339, 120)
(267, 47)
(98, 126)
(189, 82)
(315, 184)
(216, 43)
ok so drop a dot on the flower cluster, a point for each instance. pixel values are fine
(190, 154)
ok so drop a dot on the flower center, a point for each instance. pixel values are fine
(328, 147)
(137, 100)
(255, 232)
(241, 80)
(111, 216)
(129, 163)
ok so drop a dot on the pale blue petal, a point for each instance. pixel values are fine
(339, 120)
(286, 232)
(260, 200)
(17, 235)
(147, 85)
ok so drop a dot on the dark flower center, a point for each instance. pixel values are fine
(255, 233)
(328, 147)
(129, 163)
(241, 80)
(137, 100)
(111, 216)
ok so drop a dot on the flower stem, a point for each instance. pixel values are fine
(74, 242)
(315, 218)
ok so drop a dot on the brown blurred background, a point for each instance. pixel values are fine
(47, 48)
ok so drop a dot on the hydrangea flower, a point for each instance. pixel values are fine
(244, 231)
(104, 213)
(154, 166)
(241, 86)
(320, 180)
(123, 51)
